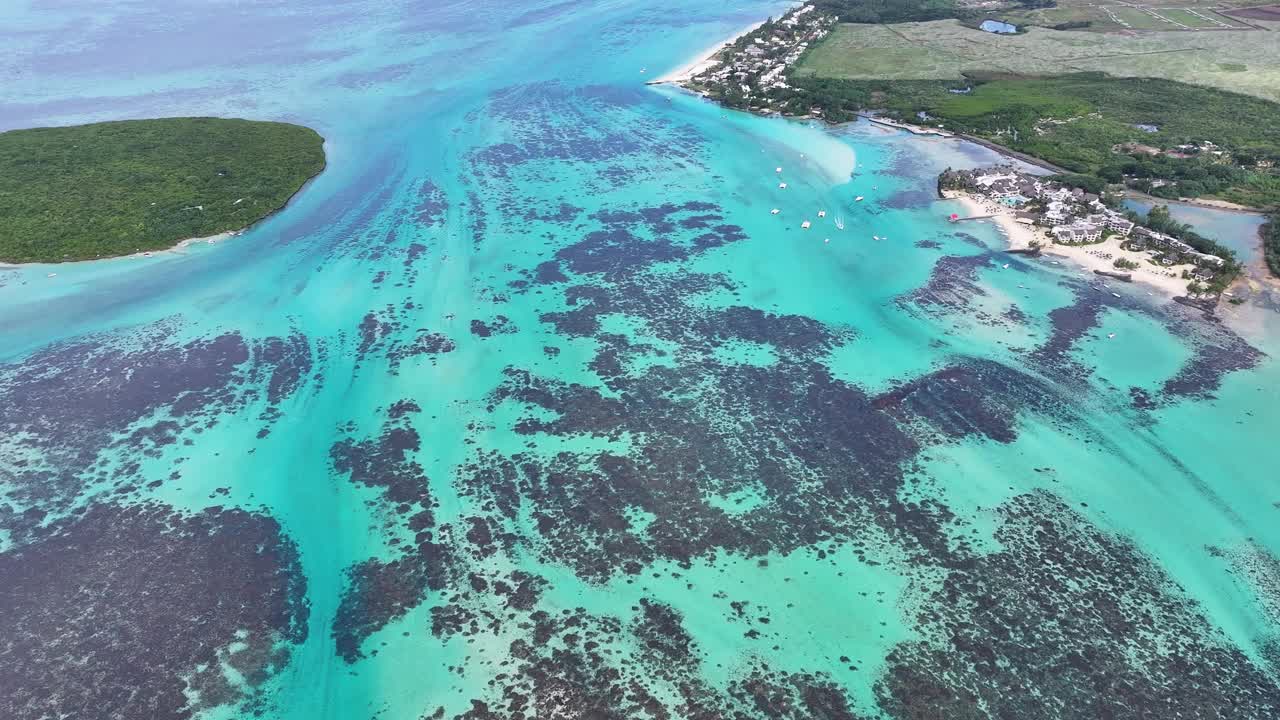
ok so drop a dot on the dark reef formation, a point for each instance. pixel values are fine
(134, 393)
(381, 591)
(1066, 621)
(121, 612)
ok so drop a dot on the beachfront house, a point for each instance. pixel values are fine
(1064, 235)
(1056, 213)
(1119, 224)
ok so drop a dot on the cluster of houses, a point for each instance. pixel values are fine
(1073, 216)
(760, 62)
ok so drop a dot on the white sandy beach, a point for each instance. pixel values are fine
(176, 248)
(1098, 256)
(703, 61)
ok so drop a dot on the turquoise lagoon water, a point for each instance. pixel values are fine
(528, 407)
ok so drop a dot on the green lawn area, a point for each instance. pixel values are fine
(1063, 13)
(1140, 20)
(879, 51)
(108, 189)
(945, 49)
(1188, 18)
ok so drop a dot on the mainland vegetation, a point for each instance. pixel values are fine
(1166, 138)
(1271, 244)
(116, 188)
(899, 11)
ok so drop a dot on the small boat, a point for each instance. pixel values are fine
(776, 170)
(804, 225)
(782, 186)
(146, 254)
(1116, 294)
(858, 199)
(822, 213)
(826, 240)
(839, 223)
(209, 241)
(876, 237)
(774, 211)
(52, 275)
(1005, 266)
(1055, 262)
(1110, 335)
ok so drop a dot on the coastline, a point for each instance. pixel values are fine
(703, 61)
(1221, 205)
(132, 256)
(1092, 257)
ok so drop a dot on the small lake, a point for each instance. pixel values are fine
(1236, 230)
(995, 26)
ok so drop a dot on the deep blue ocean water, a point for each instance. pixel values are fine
(529, 407)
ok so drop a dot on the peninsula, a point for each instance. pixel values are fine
(1051, 215)
(118, 188)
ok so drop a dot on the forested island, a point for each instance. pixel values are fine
(838, 59)
(116, 188)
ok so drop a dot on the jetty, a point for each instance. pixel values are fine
(913, 129)
(1127, 277)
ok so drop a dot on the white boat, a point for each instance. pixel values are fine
(782, 186)
(826, 240)
(774, 211)
(804, 225)
(1005, 266)
(822, 213)
(1110, 335)
(1116, 294)
(776, 170)
(52, 275)
(875, 237)
(839, 223)
(858, 199)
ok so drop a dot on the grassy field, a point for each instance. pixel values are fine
(1102, 16)
(107, 189)
(1245, 62)
(1190, 19)
(1140, 19)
